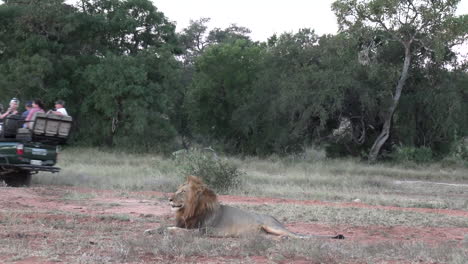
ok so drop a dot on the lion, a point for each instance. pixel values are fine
(196, 207)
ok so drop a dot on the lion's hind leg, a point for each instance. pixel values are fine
(281, 231)
(272, 226)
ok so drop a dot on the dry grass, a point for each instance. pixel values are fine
(347, 180)
(311, 178)
(104, 170)
(354, 216)
(81, 238)
(58, 236)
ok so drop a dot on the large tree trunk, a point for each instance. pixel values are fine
(388, 116)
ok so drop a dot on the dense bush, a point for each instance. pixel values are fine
(216, 172)
(132, 82)
(412, 154)
(458, 154)
(460, 149)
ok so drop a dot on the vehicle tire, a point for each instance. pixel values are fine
(18, 179)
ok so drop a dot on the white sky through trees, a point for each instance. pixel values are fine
(263, 17)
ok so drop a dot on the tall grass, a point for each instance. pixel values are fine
(349, 179)
(306, 176)
(90, 167)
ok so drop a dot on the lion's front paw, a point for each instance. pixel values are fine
(160, 230)
(163, 230)
(150, 231)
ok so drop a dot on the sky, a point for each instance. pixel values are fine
(262, 17)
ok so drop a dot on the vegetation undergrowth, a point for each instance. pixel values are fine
(219, 173)
(303, 176)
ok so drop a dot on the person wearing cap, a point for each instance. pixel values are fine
(12, 110)
(60, 108)
(28, 107)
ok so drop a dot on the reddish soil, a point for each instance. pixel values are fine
(40, 203)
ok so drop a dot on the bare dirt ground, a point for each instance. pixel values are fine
(67, 224)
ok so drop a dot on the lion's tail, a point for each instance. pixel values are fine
(296, 235)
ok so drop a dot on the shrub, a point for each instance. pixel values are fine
(216, 172)
(458, 154)
(336, 150)
(412, 154)
(459, 149)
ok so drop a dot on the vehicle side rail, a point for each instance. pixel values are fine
(31, 167)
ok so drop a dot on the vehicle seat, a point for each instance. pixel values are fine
(11, 125)
(51, 126)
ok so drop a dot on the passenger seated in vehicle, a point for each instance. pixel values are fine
(59, 108)
(37, 107)
(28, 107)
(12, 110)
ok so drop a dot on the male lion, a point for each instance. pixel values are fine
(197, 207)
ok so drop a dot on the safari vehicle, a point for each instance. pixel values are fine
(27, 151)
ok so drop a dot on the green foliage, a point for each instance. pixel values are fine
(411, 154)
(434, 110)
(305, 83)
(221, 86)
(216, 172)
(112, 61)
(128, 106)
(460, 149)
(336, 150)
(425, 30)
(131, 82)
(458, 154)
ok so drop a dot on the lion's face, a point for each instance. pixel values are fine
(193, 198)
(178, 199)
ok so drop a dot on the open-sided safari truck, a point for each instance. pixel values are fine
(27, 148)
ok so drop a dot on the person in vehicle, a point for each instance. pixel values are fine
(12, 110)
(28, 107)
(37, 107)
(59, 108)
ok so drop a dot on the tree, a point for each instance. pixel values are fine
(127, 106)
(417, 25)
(229, 34)
(194, 39)
(130, 26)
(221, 86)
(306, 83)
(112, 61)
(38, 58)
(197, 42)
(131, 84)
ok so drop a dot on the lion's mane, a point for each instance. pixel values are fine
(201, 202)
